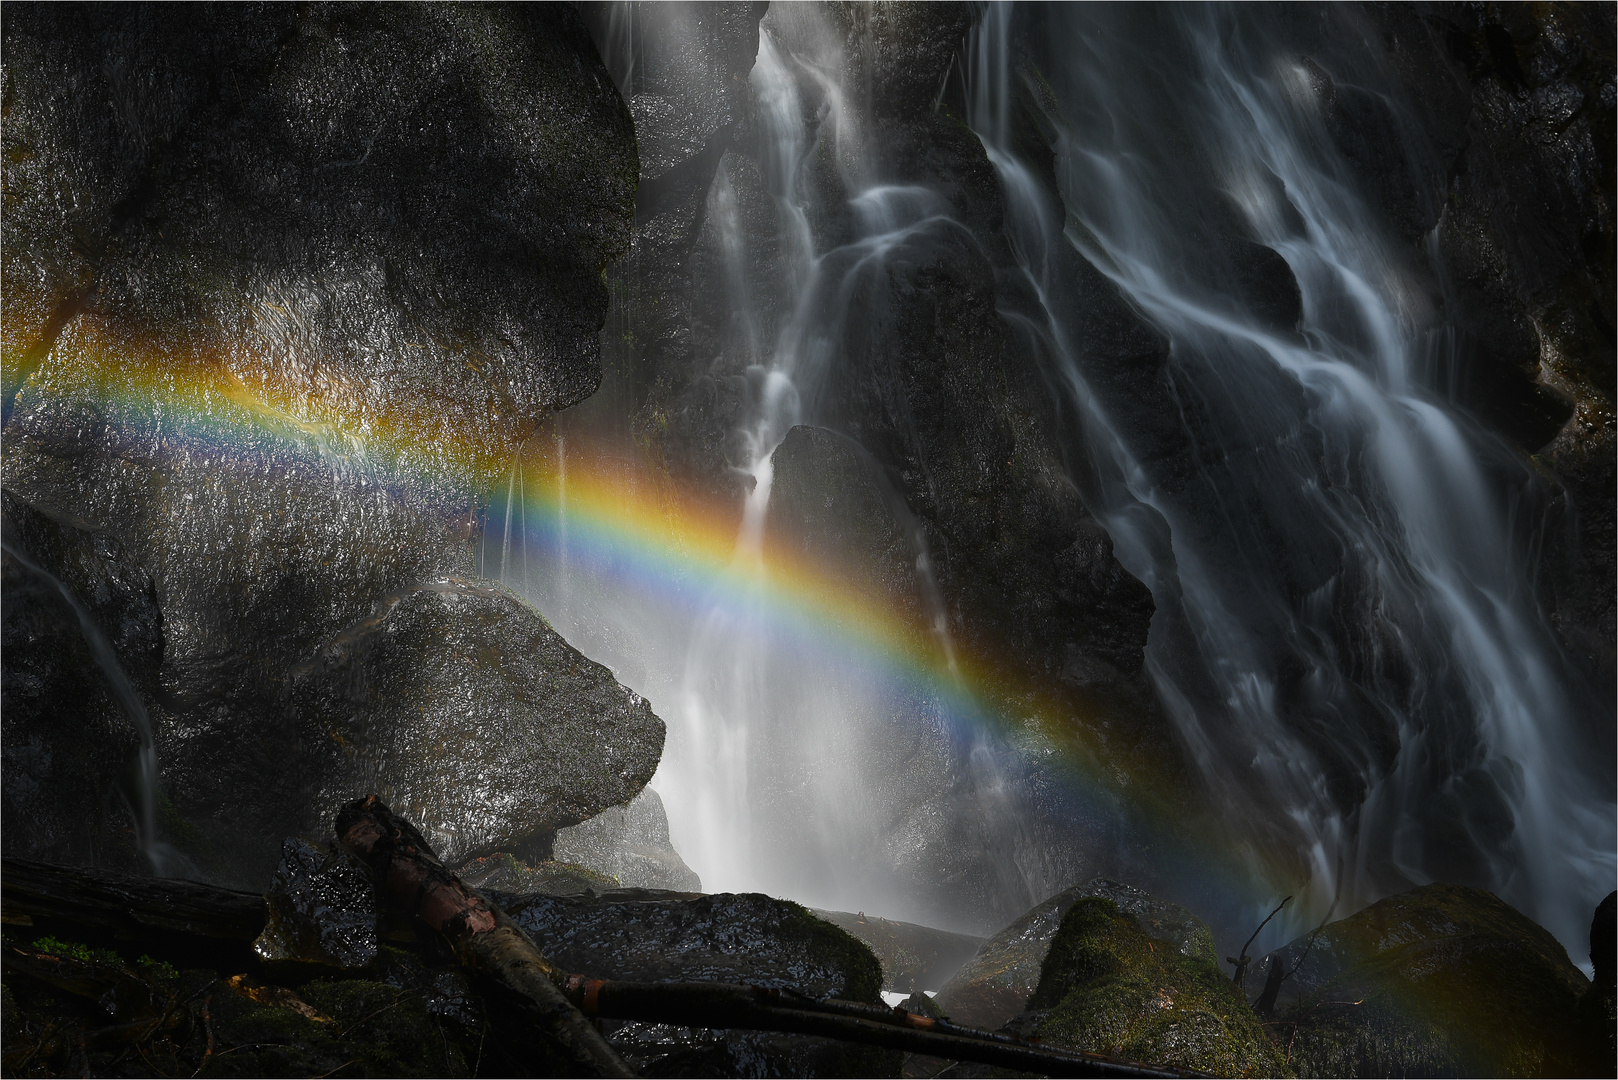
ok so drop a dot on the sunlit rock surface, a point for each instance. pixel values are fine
(629, 843)
(1440, 981)
(282, 289)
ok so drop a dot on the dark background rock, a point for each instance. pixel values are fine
(631, 844)
(915, 959)
(67, 742)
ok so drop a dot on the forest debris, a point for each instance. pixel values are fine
(407, 871)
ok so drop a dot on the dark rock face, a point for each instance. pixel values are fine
(1518, 106)
(282, 288)
(327, 194)
(67, 740)
(915, 959)
(1111, 982)
(320, 909)
(1440, 981)
(745, 938)
(630, 844)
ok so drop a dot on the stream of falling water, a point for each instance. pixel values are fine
(1347, 636)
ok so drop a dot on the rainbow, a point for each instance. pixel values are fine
(636, 525)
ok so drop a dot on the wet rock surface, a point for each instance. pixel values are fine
(512, 731)
(1518, 105)
(1439, 981)
(630, 844)
(66, 740)
(320, 909)
(282, 288)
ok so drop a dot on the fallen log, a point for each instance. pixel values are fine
(721, 1005)
(140, 908)
(408, 873)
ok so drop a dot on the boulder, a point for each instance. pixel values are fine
(283, 291)
(996, 983)
(1147, 988)
(510, 730)
(727, 937)
(630, 844)
(1439, 981)
(914, 958)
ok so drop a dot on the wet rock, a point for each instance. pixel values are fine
(1439, 981)
(283, 288)
(68, 741)
(1147, 988)
(321, 909)
(743, 938)
(1518, 106)
(997, 982)
(511, 730)
(914, 958)
(630, 844)
(189, 1021)
(505, 872)
(1598, 1011)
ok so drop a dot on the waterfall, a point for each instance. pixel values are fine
(1346, 633)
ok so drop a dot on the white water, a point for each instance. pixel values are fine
(1347, 636)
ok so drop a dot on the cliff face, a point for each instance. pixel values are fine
(1518, 106)
(283, 288)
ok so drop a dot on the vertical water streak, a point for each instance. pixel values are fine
(142, 799)
(1347, 636)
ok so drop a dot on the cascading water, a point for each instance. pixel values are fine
(1346, 634)
(778, 770)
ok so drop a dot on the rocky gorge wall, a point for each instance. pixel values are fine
(286, 289)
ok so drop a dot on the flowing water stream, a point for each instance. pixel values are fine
(1346, 636)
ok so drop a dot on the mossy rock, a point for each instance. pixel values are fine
(1110, 986)
(154, 1020)
(1440, 981)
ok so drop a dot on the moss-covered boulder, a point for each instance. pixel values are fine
(1113, 983)
(1439, 981)
(151, 1019)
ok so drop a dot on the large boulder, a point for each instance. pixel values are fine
(1114, 982)
(283, 289)
(727, 937)
(1440, 981)
(629, 843)
(996, 984)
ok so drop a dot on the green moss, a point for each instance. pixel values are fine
(835, 947)
(72, 950)
(1112, 988)
(1439, 981)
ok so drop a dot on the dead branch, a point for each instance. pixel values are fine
(408, 873)
(1241, 960)
(720, 1005)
